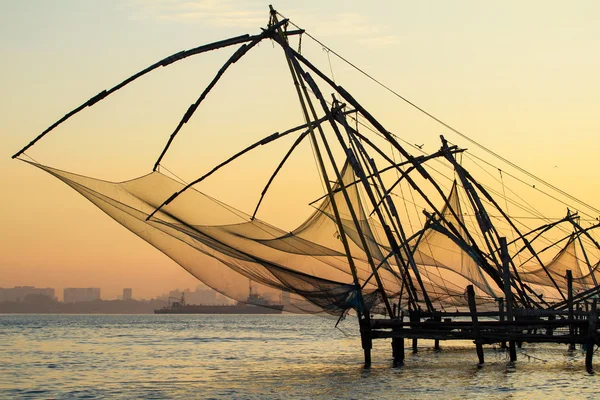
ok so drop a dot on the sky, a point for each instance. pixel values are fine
(518, 77)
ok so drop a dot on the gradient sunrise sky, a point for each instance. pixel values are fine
(519, 77)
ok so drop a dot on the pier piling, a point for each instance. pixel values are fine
(366, 340)
(476, 331)
(592, 337)
(570, 306)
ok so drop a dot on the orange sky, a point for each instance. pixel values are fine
(520, 78)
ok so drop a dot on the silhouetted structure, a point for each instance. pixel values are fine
(441, 253)
(20, 293)
(127, 294)
(76, 295)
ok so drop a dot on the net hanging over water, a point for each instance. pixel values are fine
(223, 249)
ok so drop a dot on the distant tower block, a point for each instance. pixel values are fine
(127, 293)
(76, 295)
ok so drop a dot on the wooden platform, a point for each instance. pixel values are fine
(572, 327)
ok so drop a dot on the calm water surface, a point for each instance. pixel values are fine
(257, 357)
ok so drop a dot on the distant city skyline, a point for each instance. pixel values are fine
(19, 292)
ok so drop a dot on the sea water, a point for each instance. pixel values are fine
(261, 357)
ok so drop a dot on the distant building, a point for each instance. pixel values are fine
(19, 293)
(76, 295)
(202, 295)
(127, 294)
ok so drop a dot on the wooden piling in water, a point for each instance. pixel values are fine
(501, 317)
(366, 340)
(398, 351)
(532, 326)
(549, 330)
(508, 295)
(436, 342)
(415, 316)
(570, 306)
(398, 345)
(474, 319)
(591, 337)
(514, 326)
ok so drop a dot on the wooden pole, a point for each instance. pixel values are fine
(364, 319)
(162, 63)
(570, 307)
(507, 294)
(306, 105)
(377, 184)
(550, 331)
(436, 343)
(366, 340)
(398, 347)
(591, 339)
(415, 316)
(473, 309)
(492, 272)
(501, 313)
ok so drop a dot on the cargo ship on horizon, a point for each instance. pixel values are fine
(255, 304)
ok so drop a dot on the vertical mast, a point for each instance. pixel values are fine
(305, 100)
(390, 210)
(361, 310)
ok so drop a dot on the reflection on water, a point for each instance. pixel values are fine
(254, 356)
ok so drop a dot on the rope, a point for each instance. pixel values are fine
(172, 173)
(326, 50)
(446, 125)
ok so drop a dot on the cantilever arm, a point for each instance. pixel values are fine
(296, 143)
(261, 142)
(162, 63)
(239, 53)
(287, 155)
(421, 159)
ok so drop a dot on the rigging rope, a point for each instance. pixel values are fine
(441, 122)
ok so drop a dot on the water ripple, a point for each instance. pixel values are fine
(257, 357)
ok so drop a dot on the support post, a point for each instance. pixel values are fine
(501, 313)
(550, 331)
(306, 103)
(436, 343)
(398, 348)
(364, 319)
(570, 308)
(591, 339)
(506, 278)
(512, 350)
(473, 309)
(415, 317)
(366, 340)
(507, 295)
